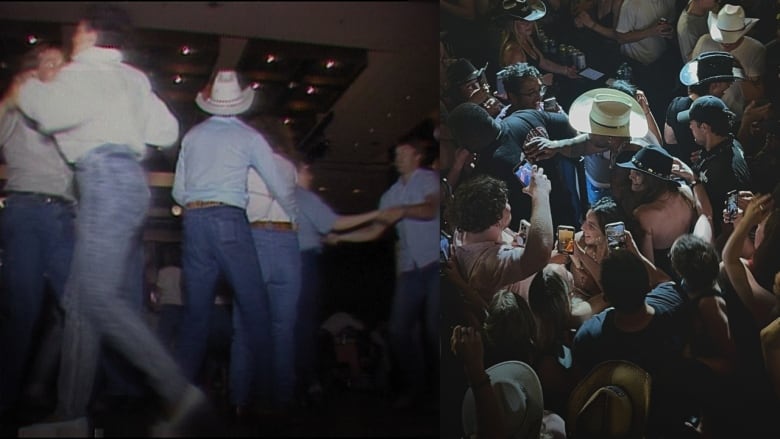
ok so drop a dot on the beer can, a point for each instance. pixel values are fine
(579, 61)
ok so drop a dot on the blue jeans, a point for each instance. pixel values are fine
(309, 318)
(596, 193)
(415, 307)
(38, 238)
(113, 207)
(219, 240)
(280, 262)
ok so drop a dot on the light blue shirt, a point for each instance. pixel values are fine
(419, 239)
(97, 99)
(316, 219)
(214, 160)
(34, 162)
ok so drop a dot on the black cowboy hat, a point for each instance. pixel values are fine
(528, 10)
(711, 67)
(652, 160)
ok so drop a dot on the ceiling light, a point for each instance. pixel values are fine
(270, 58)
(311, 90)
(292, 85)
(255, 85)
(32, 39)
(185, 50)
(287, 121)
(178, 79)
(329, 64)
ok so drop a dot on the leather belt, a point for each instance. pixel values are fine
(43, 198)
(274, 225)
(203, 204)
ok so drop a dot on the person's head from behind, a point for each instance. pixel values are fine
(601, 213)
(548, 297)
(45, 59)
(624, 281)
(523, 85)
(480, 202)
(510, 329)
(696, 261)
(472, 127)
(102, 25)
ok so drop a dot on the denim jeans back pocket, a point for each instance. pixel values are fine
(227, 230)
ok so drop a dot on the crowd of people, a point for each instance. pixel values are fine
(75, 127)
(658, 317)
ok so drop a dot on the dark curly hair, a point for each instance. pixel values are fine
(479, 203)
(514, 75)
(696, 261)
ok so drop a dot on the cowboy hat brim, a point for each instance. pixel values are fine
(728, 37)
(230, 108)
(689, 74)
(518, 373)
(538, 10)
(579, 115)
(629, 377)
(473, 75)
(630, 165)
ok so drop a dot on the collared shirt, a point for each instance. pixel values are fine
(317, 219)
(722, 169)
(263, 205)
(95, 100)
(419, 239)
(34, 162)
(215, 158)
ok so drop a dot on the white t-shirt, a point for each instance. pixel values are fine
(641, 14)
(689, 29)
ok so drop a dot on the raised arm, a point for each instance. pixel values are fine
(758, 209)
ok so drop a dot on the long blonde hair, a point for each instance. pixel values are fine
(510, 38)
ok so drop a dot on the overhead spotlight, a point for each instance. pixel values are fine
(185, 50)
(329, 64)
(270, 58)
(32, 39)
(178, 79)
(287, 121)
(292, 85)
(255, 85)
(311, 90)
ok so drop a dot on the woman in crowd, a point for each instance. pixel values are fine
(666, 210)
(585, 263)
(518, 40)
(548, 296)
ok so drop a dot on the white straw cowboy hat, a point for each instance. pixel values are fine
(608, 112)
(730, 24)
(224, 97)
(520, 397)
(612, 401)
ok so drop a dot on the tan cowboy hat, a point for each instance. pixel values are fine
(608, 112)
(519, 393)
(613, 401)
(225, 97)
(730, 24)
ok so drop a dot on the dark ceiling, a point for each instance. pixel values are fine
(362, 72)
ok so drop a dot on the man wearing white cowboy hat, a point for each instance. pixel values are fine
(728, 29)
(211, 183)
(608, 120)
